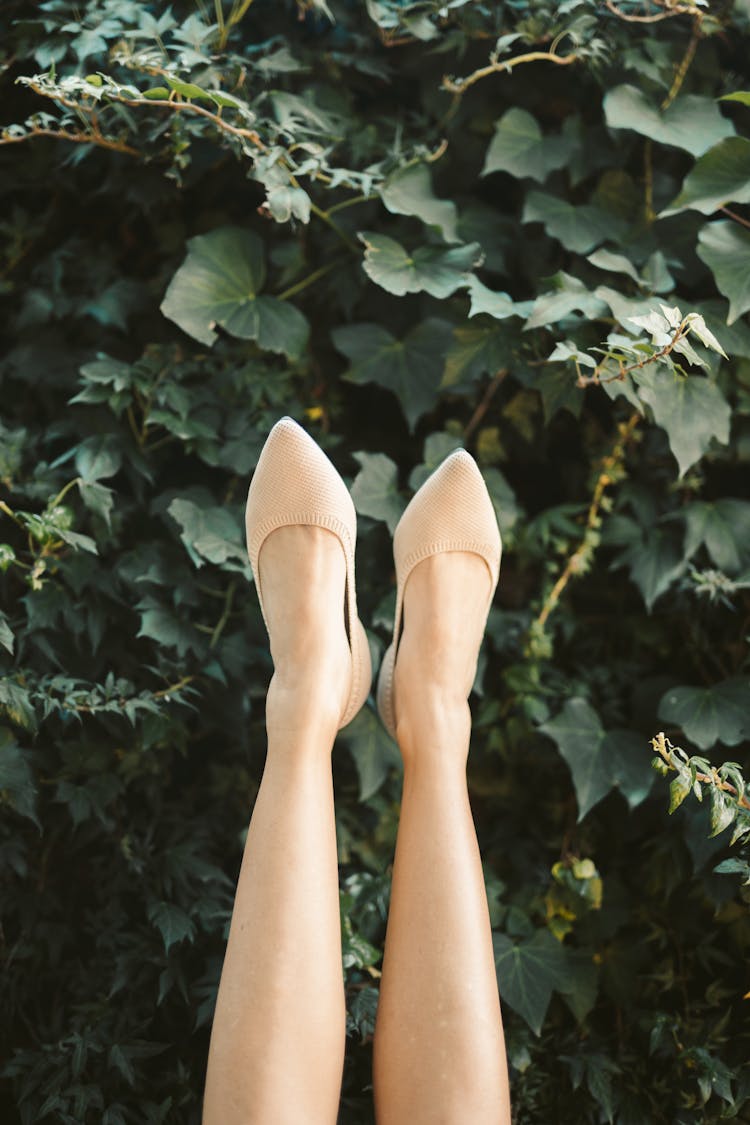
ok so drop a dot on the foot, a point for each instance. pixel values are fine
(302, 576)
(445, 611)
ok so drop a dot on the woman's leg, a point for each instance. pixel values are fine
(277, 1043)
(439, 1048)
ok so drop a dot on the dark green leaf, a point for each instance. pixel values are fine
(172, 922)
(17, 786)
(721, 176)
(219, 284)
(412, 367)
(374, 490)
(723, 527)
(707, 715)
(408, 191)
(527, 972)
(373, 750)
(520, 148)
(691, 409)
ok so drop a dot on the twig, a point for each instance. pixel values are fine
(684, 66)
(733, 215)
(659, 745)
(681, 330)
(575, 562)
(460, 85)
(77, 138)
(481, 410)
(678, 10)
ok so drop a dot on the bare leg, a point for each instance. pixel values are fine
(277, 1044)
(439, 1047)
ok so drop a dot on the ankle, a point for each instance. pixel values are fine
(435, 727)
(304, 704)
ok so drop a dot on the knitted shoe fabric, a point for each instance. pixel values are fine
(295, 483)
(452, 511)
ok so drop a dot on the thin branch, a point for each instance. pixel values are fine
(577, 560)
(309, 280)
(737, 218)
(481, 410)
(681, 330)
(661, 748)
(77, 138)
(684, 66)
(460, 85)
(677, 10)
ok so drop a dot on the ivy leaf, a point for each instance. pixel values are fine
(613, 263)
(211, 534)
(172, 922)
(578, 228)
(691, 122)
(477, 350)
(97, 498)
(408, 191)
(373, 750)
(6, 633)
(429, 269)
(411, 368)
(569, 295)
(17, 786)
(723, 526)
(98, 457)
(164, 626)
(725, 248)
(521, 149)
(721, 176)
(497, 305)
(527, 972)
(656, 558)
(599, 760)
(219, 284)
(691, 409)
(707, 715)
(374, 489)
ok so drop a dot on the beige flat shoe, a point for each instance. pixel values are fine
(295, 483)
(452, 511)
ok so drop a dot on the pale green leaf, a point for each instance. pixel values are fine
(429, 269)
(707, 715)
(375, 491)
(211, 534)
(569, 295)
(495, 304)
(691, 122)
(98, 457)
(614, 263)
(219, 284)
(725, 248)
(578, 228)
(521, 149)
(412, 368)
(408, 191)
(691, 409)
(721, 176)
(6, 633)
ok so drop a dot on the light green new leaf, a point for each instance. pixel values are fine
(741, 96)
(721, 176)
(374, 490)
(408, 191)
(707, 715)
(219, 284)
(211, 534)
(520, 148)
(411, 368)
(172, 922)
(429, 269)
(725, 248)
(723, 526)
(577, 228)
(6, 633)
(691, 122)
(17, 786)
(569, 295)
(691, 409)
(527, 972)
(599, 760)
(373, 750)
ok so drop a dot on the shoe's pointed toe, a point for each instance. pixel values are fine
(452, 511)
(295, 483)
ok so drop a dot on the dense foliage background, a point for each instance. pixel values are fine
(518, 226)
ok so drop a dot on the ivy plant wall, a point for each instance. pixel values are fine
(520, 227)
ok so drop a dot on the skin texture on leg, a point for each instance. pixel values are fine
(439, 1046)
(277, 1042)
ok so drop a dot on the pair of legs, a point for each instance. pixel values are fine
(277, 1044)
